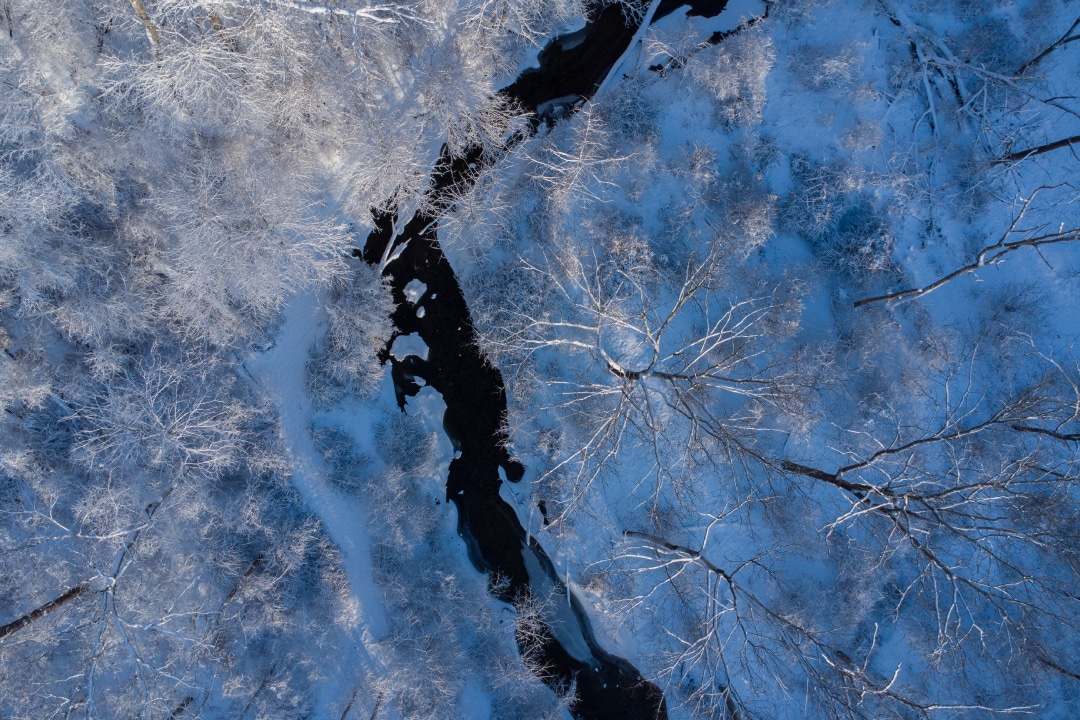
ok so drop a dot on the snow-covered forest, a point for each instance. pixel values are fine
(785, 306)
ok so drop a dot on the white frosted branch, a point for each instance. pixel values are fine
(387, 14)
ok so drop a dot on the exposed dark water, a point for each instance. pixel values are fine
(571, 68)
(607, 686)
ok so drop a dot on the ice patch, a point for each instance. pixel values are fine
(406, 345)
(414, 291)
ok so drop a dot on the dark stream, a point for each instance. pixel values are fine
(571, 68)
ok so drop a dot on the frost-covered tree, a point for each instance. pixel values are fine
(358, 317)
(735, 76)
(953, 529)
(242, 244)
(150, 549)
(171, 173)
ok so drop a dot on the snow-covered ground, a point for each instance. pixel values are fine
(281, 374)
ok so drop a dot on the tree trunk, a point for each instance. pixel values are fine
(1024, 154)
(151, 28)
(43, 610)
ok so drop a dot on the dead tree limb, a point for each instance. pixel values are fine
(1031, 152)
(1065, 39)
(151, 27)
(991, 255)
(43, 610)
(181, 708)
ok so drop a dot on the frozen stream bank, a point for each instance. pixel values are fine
(571, 69)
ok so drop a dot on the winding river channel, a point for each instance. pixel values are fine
(571, 68)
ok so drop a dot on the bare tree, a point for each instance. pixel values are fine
(949, 520)
(529, 22)
(573, 162)
(946, 80)
(735, 74)
(684, 369)
(358, 313)
(164, 418)
(982, 493)
(177, 590)
(386, 13)
(731, 630)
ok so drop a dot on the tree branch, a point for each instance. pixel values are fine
(383, 14)
(990, 255)
(43, 610)
(1030, 152)
(151, 27)
(1068, 437)
(1068, 37)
